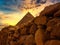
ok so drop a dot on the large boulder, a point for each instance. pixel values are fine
(53, 42)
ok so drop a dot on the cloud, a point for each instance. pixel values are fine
(12, 11)
(15, 5)
(11, 18)
(53, 1)
(9, 5)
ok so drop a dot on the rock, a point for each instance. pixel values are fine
(23, 31)
(42, 30)
(50, 10)
(53, 42)
(40, 20)
(27, 40)
(39, 37)
(57, 14)
(0, 37)
(54, 22)
(55, 33)
(4, 38)
(33, 29)
(53, 28)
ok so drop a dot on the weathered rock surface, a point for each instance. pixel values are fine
(42, 30)
(53, 42)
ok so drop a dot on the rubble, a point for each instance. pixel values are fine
(42, 30)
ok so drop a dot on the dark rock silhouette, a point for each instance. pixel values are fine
(57, 14)
(53, 42)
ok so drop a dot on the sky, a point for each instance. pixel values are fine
(12, 11)
(13, 5)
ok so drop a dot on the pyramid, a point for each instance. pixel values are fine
(28, 17)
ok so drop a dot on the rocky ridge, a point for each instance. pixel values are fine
(42, 30)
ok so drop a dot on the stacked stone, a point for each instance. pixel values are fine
(52, 30)
(42, 30)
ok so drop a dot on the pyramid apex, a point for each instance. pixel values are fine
(28, 17)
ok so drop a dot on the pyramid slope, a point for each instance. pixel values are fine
(26, 18)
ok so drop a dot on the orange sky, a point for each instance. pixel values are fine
(15, 17)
